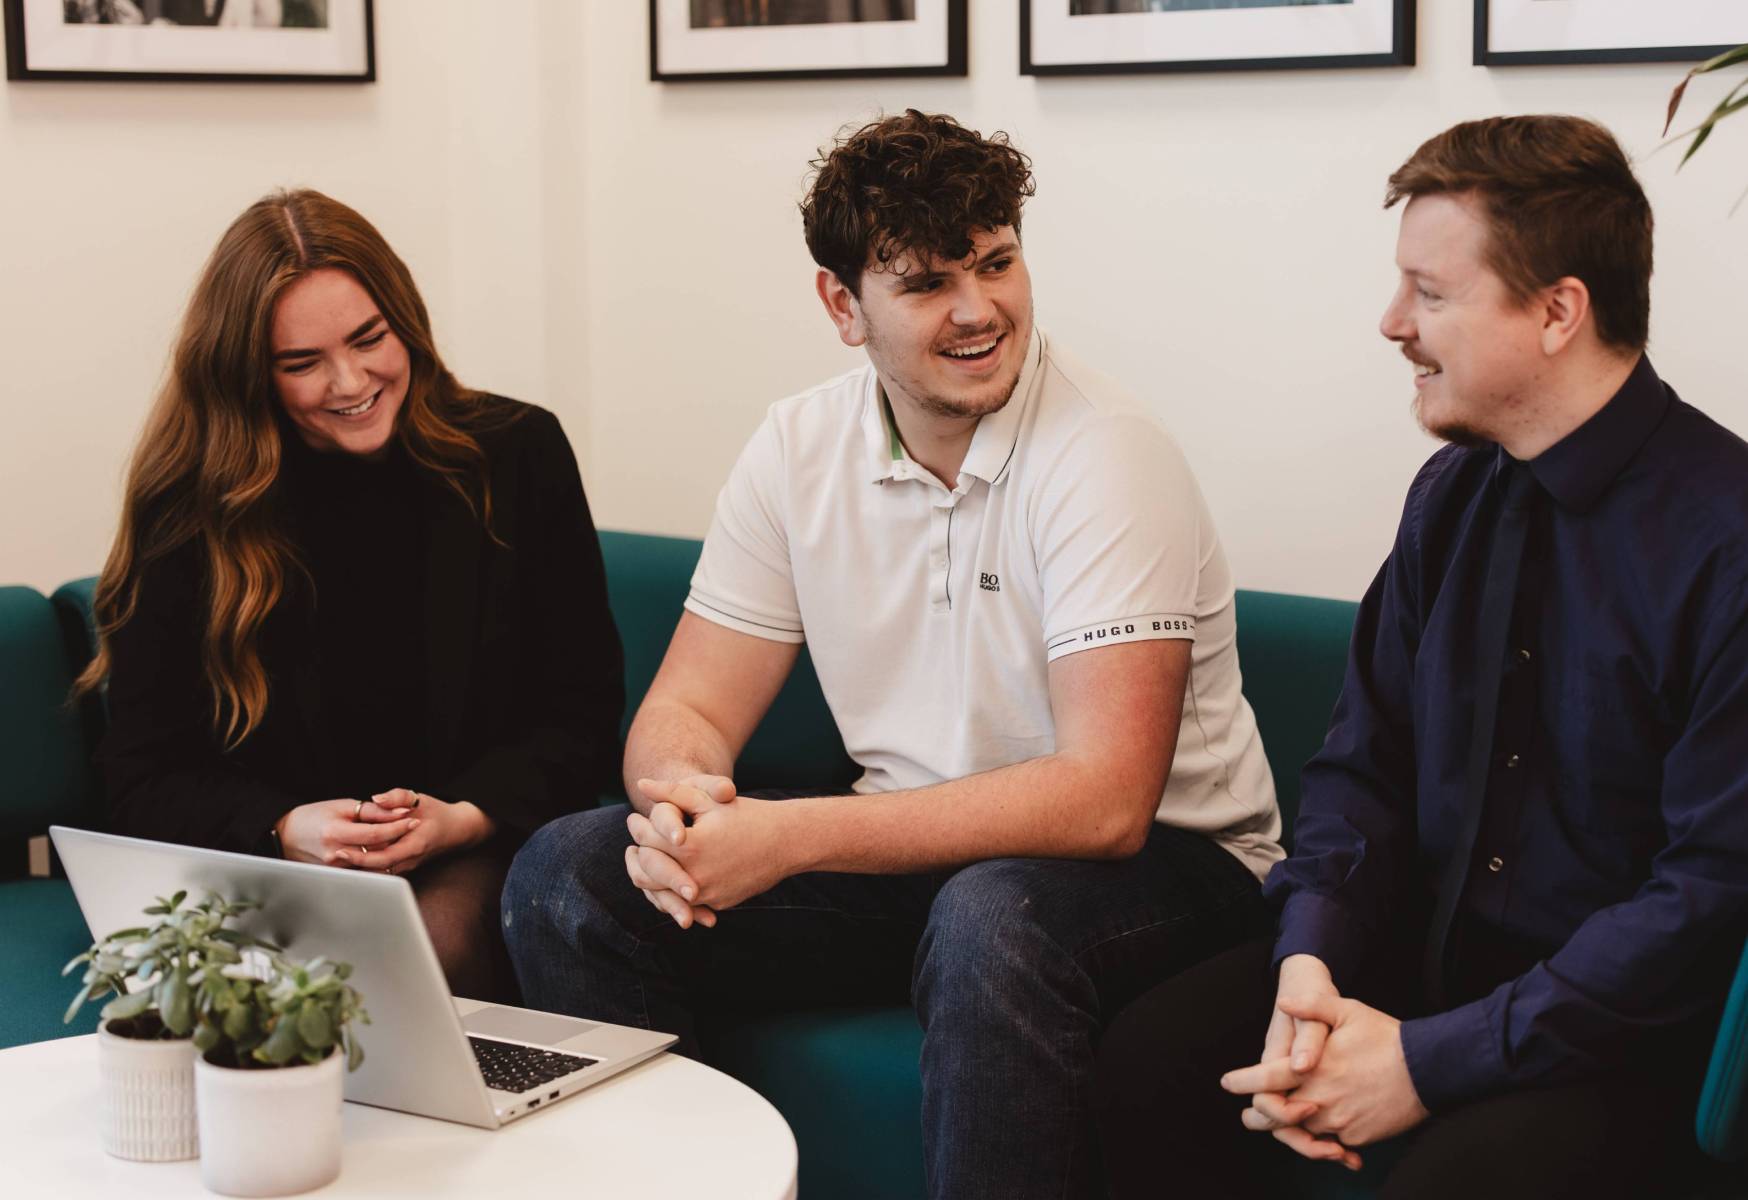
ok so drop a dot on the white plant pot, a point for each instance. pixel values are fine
(269, 1132)
(146, 1097)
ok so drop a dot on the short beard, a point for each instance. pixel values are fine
(941, 406)
(953, 408)
(1454, 432)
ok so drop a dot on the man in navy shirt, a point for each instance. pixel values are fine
(1520, 873)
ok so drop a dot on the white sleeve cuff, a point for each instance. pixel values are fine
(1148, 627)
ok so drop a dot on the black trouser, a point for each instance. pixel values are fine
(1167, 1129)
(458, 898)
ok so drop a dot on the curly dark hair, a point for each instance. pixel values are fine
(919, 184)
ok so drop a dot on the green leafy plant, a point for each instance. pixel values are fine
(1734, 101)
(268, 1011)
(166, 962)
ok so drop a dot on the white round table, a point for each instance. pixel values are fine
(670, 1127)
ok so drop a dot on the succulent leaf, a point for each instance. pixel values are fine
(315, 1026)
(131, 1004)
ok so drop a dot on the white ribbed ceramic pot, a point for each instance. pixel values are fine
(269, 1132)
(146, 1097)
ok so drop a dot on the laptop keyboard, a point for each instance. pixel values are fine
(511, 1067)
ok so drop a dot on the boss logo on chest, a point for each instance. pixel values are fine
(989, 581)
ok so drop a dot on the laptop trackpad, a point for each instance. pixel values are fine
(525, 1025)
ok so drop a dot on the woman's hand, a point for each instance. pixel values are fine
(436, 827)
(337, 833)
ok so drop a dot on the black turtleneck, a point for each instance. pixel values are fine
(362, 537)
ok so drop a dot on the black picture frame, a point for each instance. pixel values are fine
(957, 59)
(1486, 57)
(18, 69)
(1400, 54)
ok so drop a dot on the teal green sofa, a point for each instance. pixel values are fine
(845, 1079)
(46, 778)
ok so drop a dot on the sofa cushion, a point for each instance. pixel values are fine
(846, 1081)
(33, 995)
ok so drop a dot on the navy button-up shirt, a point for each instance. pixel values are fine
(1614, 834)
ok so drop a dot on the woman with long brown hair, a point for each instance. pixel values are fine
(355, 613)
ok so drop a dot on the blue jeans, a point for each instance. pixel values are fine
(1014, 967)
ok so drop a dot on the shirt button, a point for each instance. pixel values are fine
(1512, 760)
(1496, 864)
(1523, 656)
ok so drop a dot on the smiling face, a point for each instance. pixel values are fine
(340, 372)
(947, 339)
(1478, 350)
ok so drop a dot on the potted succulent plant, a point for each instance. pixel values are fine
(145, 1048)
(271, 1035)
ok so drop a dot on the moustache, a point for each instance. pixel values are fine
(1413, 355)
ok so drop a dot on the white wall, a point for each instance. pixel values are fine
(112, 195)
(1216, 241)
(629, 254)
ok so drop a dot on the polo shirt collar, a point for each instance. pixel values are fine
(1578, 469)
(992, 445)
(884, 450)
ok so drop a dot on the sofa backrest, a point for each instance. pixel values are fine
(796, 746)
(75, 603)
(1293, 653)
(48, 772)
(75, 608)
(1292, 650)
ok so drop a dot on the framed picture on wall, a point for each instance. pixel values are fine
(1103, 37)
(804, 39)
(1523, 32)
(183, 41)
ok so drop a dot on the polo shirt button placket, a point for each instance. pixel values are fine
(940, 552)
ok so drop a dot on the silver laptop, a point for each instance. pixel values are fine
(425, 1051)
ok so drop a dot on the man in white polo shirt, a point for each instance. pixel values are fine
(1022, 619)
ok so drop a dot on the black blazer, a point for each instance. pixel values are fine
(524, 671)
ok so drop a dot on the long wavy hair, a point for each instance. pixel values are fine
(208, 461)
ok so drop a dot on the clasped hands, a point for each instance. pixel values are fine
(1332, 1074)
(393, 831)
(703, 848)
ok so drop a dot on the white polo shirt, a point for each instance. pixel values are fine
(932, 614)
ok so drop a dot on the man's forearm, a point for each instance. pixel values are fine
(669, 741)
(1057, 806)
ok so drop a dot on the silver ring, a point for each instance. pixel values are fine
(359, 811)
(417, 796)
